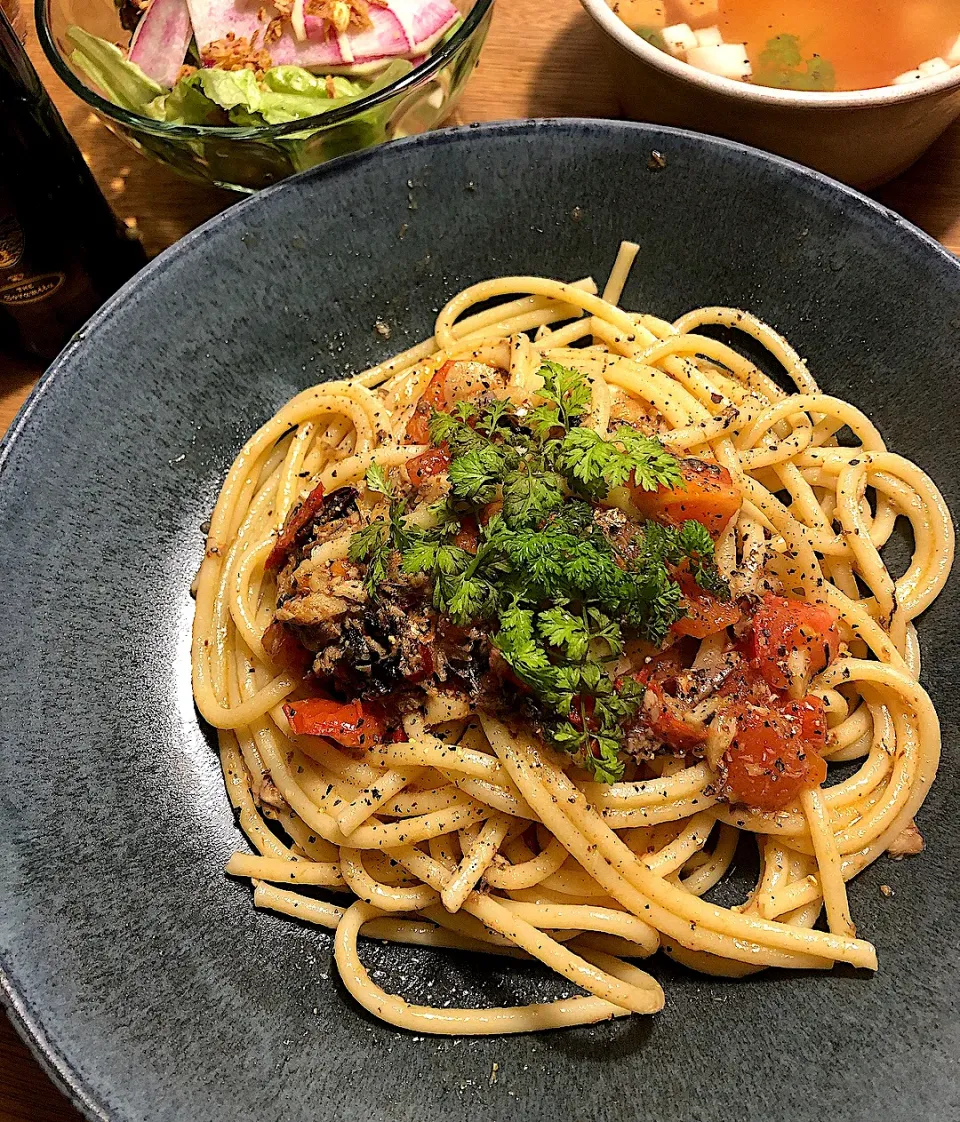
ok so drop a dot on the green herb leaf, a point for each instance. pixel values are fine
(476, 475)
(567, 389)
(596, 464)
(464, 410)
(452, 430)
(691, 544)
(530, 496)
(377, 480)
(605, 630)
(371, 546)
(494, 415)
(562, 629)
(603, 761)
(565, 736)
(465, 599)
(446, 515)
(364, 542)
(694, 538)
(543, 420)
(527, 658)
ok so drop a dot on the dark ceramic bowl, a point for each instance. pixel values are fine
(143, 976)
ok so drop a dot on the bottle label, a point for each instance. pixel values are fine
(11, 241)
(30, 290)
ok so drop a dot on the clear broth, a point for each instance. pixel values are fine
(841, 44)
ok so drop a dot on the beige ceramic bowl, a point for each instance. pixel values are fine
(863, 137)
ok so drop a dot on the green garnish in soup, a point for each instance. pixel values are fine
(782, 65)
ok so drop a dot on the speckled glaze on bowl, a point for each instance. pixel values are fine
(862, 137)
(142, 975)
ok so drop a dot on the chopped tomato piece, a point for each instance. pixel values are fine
(583, 705)
(706, 614)
(505, 672)
(296, 525)
(708, 496)
(285, 650)
(350, 724)
(666, 722)
(428, 464)
(422, 666)
(491, 510)
(433, 397)
(769, 761)
(810, 714)
(748, 684)
(664, 664)
(468, 536)
(792, 640)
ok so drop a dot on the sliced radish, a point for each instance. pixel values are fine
(384, 39)
(933, 66)
(679, 38)
(953, 55)
(728, 60)
(401, 29)
(708, 37)
(159, 44)
(424, 21)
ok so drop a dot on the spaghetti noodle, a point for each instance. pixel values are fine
(467, 829)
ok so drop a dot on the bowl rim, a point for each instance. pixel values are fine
(611, 23)
(471, 23)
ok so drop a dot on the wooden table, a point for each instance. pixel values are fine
(531, 67)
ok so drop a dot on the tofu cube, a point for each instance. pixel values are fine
(728, 60)
(708, 37)
(679, 39)
(933, 66)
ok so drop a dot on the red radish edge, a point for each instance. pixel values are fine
(401, 29)
(159, 44)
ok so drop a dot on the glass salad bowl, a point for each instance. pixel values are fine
(256, 138)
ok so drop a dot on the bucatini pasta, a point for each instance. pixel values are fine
(510, 639)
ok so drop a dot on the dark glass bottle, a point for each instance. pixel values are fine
(62, 250)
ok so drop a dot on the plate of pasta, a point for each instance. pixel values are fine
(485, 645)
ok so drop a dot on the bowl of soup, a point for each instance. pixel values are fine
(856, 88)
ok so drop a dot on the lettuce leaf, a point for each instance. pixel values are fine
(296, 80)
(185, 104)
(285, 93)
(280, 105)
(291, 93)
(214, 97)
(229, 89)
(124, 83)
(229, 97)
